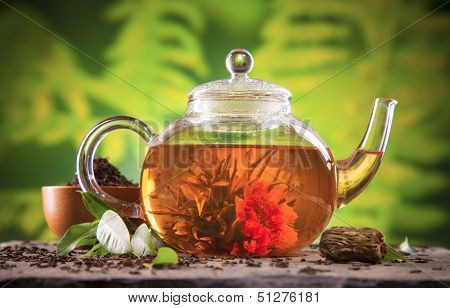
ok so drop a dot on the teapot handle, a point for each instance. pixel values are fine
(85, 161)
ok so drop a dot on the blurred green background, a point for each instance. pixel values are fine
(52, 93)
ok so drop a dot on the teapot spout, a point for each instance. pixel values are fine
(356, 172)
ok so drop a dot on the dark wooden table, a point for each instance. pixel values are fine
(34, 264)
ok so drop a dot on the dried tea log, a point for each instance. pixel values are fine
(345, 244)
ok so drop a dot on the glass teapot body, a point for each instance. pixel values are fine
(227, 184)
(239, 174)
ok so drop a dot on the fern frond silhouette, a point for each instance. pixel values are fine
(42, 93)
(158, 51)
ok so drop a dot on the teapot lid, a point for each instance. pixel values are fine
(239, 86)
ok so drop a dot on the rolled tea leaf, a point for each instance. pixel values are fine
(112, 233)
(346, 244)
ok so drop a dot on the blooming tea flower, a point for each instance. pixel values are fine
(267, 221)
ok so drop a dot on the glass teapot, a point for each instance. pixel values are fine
(239, 174)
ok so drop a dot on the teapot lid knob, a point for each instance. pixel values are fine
(239, 87)
(239, 61)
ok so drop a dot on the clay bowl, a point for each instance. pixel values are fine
(63, 205)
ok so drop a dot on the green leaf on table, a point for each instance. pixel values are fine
(112, 233)
(87, 242)
(101, 252)
(75, 236)
(142, 242)
(394, 255)
(94, 205)
(92, 251)
(97, 250)
(165, 256)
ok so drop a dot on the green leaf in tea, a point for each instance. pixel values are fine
(142, 242)
(165, 256)
(75, 236)
(112, 233)
(94, 205)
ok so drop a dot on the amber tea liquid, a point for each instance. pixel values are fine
(238, 200)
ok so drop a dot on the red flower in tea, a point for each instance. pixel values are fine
(267, 221)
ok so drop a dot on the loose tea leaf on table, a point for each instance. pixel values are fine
(346, 244)
(106, 175)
